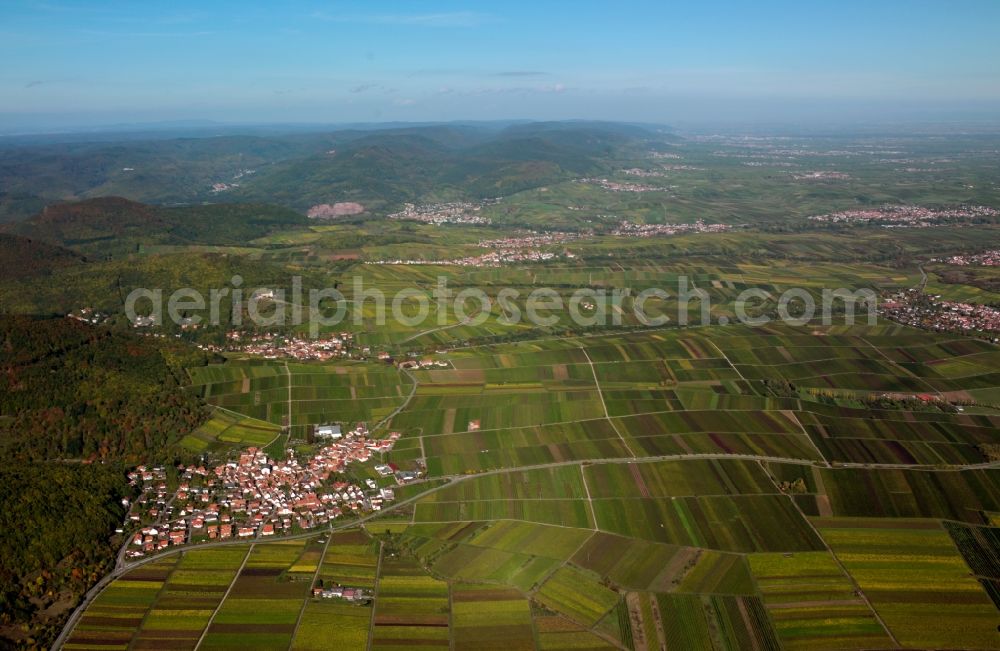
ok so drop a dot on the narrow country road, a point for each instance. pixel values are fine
(451, 480)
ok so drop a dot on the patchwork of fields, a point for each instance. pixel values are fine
(722, 488)
(781, 392)
(295, 394)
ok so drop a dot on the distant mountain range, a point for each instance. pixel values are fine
(378, 167)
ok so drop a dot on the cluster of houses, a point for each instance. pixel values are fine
(255, 496)
(678, 168)
(457, 212)
(274, 346)
(337, 591)
(896, 216)
(225, 187)
(913, 307)
(531, 240)
(525, 247)
(641, 173)
(631, 229)
(88, 315)
(821, 176)
(767, 163)
(494, 258)
(425, 364)
(985, 259)
(619, 186)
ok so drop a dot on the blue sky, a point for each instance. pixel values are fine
(80, 63)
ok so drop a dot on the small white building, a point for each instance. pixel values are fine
(328, 432)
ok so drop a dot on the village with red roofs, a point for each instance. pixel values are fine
(252, 495)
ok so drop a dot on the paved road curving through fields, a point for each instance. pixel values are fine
(123, 567)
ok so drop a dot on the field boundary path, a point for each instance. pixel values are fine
(600, 394)
(224, 597)
(288, 374)
(406, 401)
(378, 578)
(305, 602)
(451, 480)
(857, 587)
(464, 321)
(590, 501)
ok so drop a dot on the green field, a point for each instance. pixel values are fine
(717, 488)
(916, 580)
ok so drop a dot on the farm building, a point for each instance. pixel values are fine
(328, 431)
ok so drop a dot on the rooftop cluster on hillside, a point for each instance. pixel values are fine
(88, 315)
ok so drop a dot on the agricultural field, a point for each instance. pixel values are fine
(167, 603)
(350, 559)
(578, 594)
(229, 429)
(263, 604)
(964, 495)
(490, 618)
(980, 547)
(915, 579)
(714, 622)
(813, 603)
(411, 607)
(115, 618)
(295, 395)
(724, 488)
(774, 391)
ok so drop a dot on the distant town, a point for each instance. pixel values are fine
(459, 212)
(895, 216)
(929, 312)
(632, 229)
(620, 186)
(989, 258)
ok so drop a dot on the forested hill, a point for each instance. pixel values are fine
(113, 226)
(379, 168)
(22, 256)
(71, 390)
(58, 522)
(77, 404)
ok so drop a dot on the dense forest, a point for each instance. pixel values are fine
(70, 390)
(57, 521)
(23, 257)
(77, 403)
(112, 227)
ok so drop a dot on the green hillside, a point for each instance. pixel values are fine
(113, 226)
(70, 390)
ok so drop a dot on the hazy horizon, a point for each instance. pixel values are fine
(82, 64)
